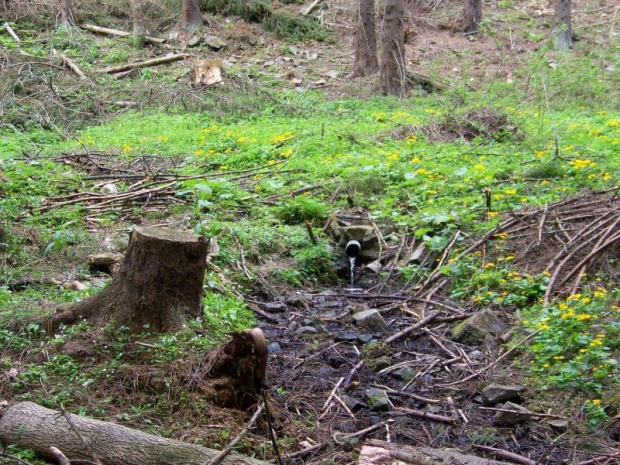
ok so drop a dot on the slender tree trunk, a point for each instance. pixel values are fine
(472, 14)
(191, 17)
(393, 73)
(562, 33)
(67, 13)
(139, 36)
(366, 61)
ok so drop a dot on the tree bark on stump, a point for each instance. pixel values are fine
(562, 32)
(67, 13)
(472, 14)
(393, 72)
(191, 17)
(35, 427)
(158, 285)
(139, 35)
(366, 61)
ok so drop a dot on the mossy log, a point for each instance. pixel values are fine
(35, 427)
(157, 287)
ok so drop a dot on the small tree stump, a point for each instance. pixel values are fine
(158, 285)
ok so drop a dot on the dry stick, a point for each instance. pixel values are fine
(434, 302)
(532, 414)
(315, 355)
(62, 458)
(444, 256)
(426, 400)
(585, 266)
(341, 402)
(219, 457)
(593, 461)
(70, 64)
(11, 32)
(13, 457)
(332, 394)
(351, 374)
(79, 435)
(488, 367)
(396, 258)
(116, 32)
(591, 255)
(362, 432)
(541, 225)
(303, 452)
(420, 324)
(294, 193)
(426, 415)
(312, 6)
(144, 64)
(507, 455)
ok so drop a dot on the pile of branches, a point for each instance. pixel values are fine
(567, 239)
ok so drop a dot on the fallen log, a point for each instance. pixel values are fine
(144, 64)
(38, 428)
(118, 33)
(70, 64)
(11, 32)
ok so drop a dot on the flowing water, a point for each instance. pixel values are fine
(352, 261)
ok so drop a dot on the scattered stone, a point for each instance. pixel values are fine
(364, 338)
(378, 364)
(371, 320)
(274, 348)
(306, 331)
(106, 262)
(404, 373)
(335, 361)
(513, 417)
(496, 393)
(296, 300)
(378, 400)
(559, 425)
(475, 329)
(475, 355)
(214, 43)
(274, 307)
(333, 74)
(352, 403)
(80, 347)
(418, 254)
(365, 235)
(346, 336)
(194, 41)
(109, 188)
(98, 282)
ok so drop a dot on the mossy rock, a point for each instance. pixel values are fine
(476, 329)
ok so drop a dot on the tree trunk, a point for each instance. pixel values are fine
(472, 14)
(393, 72)
(562, 33)
(366, 61)
(35, 427)
(139, 36)
(191, 17)
(157, 287)
(67, 13)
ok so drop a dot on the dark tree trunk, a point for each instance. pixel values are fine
(191, 18)
(157, 287)
(366, 61)
(35, 427)
(472, 14)
(67, 13)
(139, 35)
(562, 33)
(393, 72)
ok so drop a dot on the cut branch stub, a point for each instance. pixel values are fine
(157, 287)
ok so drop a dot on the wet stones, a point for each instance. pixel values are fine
(378, 400)
(496, 393)
(511, 414)
(371, 320)
(477, 328)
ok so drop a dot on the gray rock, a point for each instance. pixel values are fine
(475, 329)
(404, 373)
(495, 393)
(215, 43)
(306, 331)
(378, 400)
(274, 348)
(335, 361)
(364, 338)
(475, 355)
(366, 235)
(345, 336)
(104, 259)
(274, 307)
(378, 364)
(194, 41)
(559, 425)
(513, 417)
(352, 403)
(296, 300)
(371, 320)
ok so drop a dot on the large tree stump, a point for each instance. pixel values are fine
(158, 285)
(35, 427)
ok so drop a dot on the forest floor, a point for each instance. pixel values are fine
(507, 177)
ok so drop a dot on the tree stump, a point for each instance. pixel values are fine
(35, 427)
(157, 287)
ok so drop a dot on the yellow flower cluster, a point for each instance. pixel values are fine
(613, 123)
(597, 341)
(582, 164)
(281, 138)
